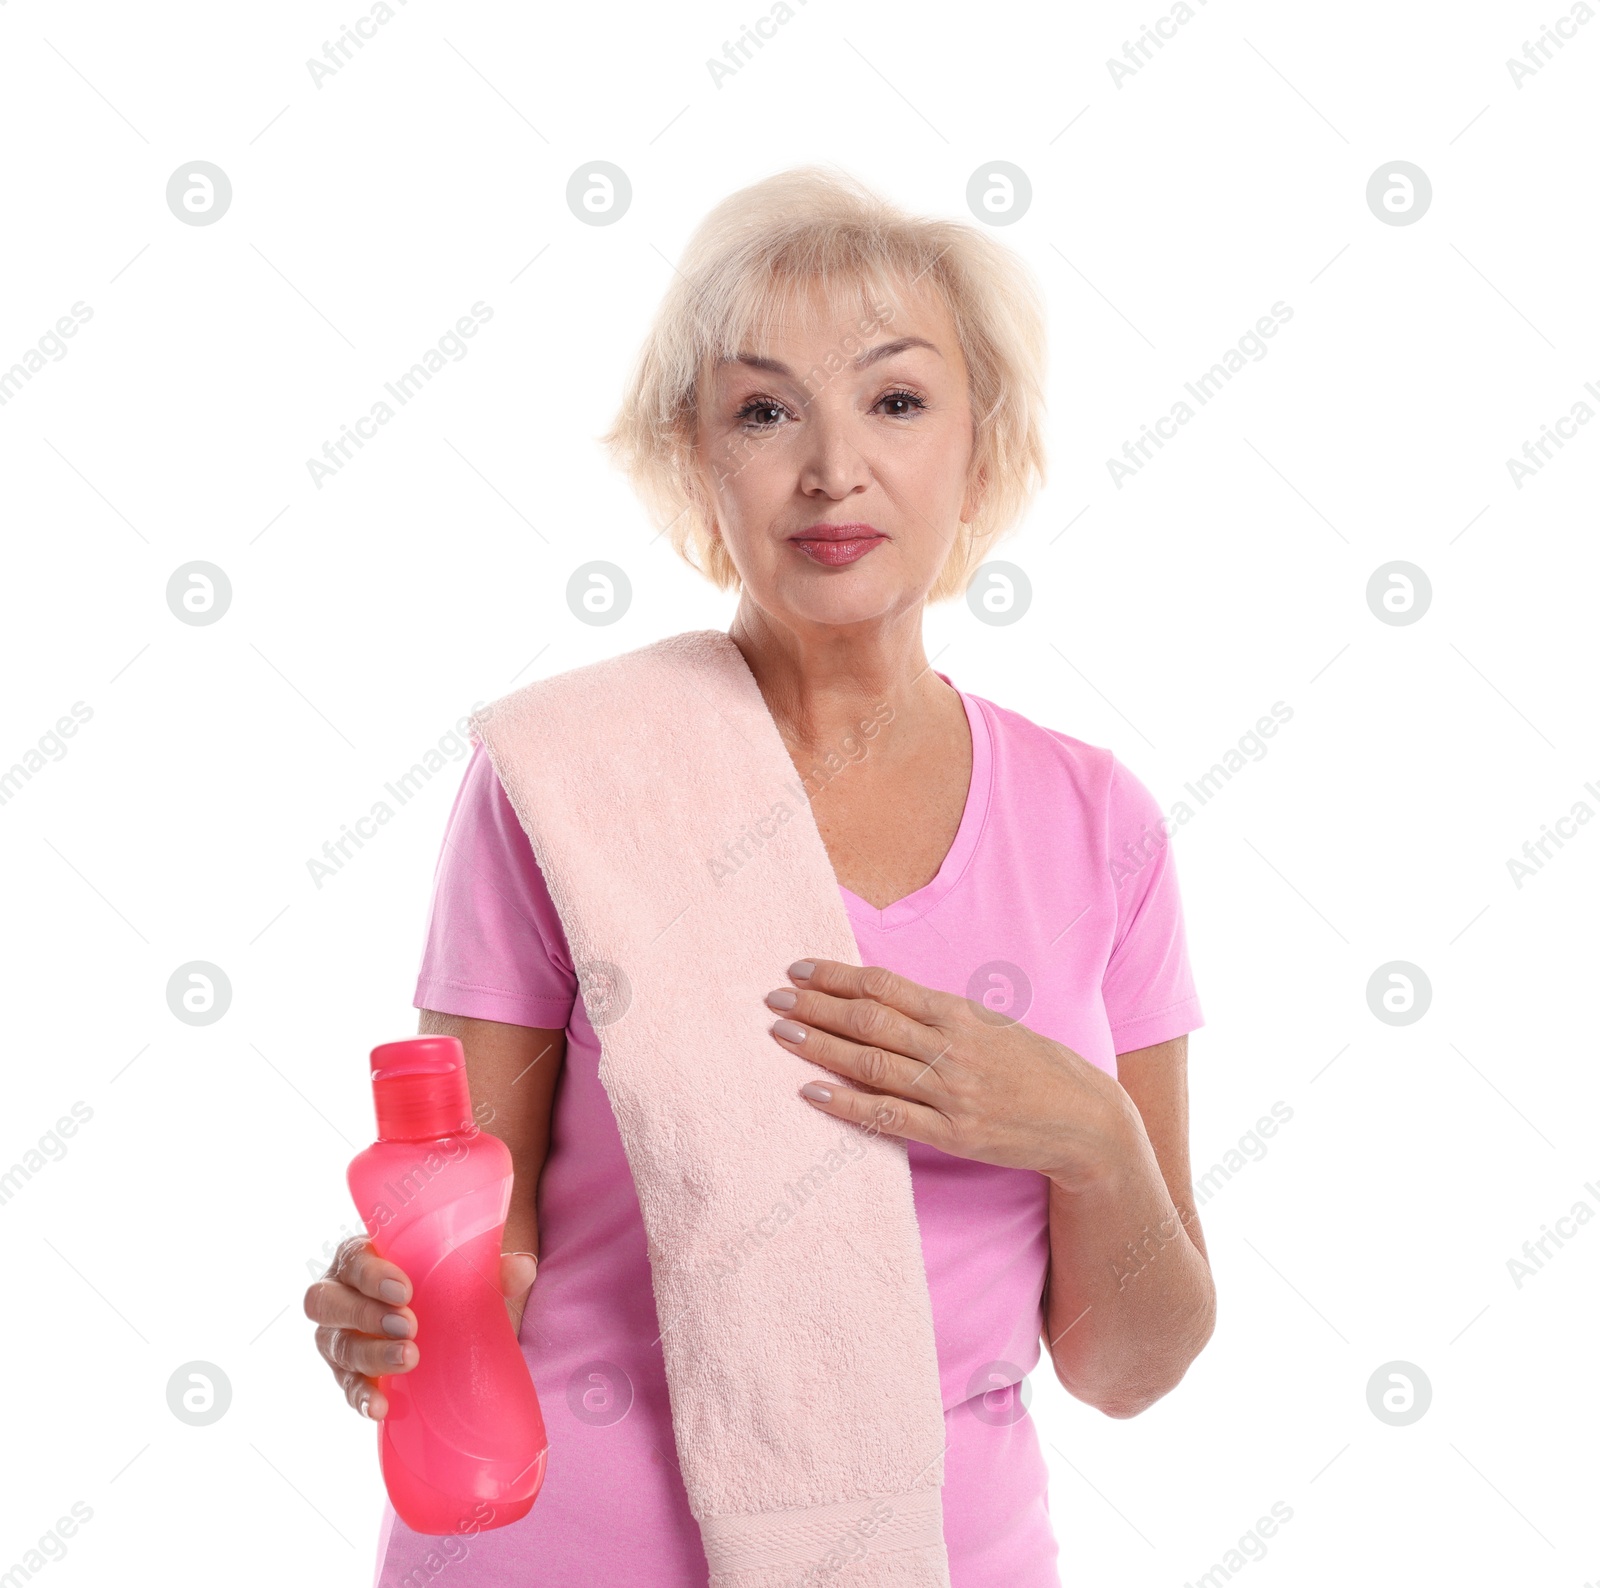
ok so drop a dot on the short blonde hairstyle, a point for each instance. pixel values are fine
(771, 252)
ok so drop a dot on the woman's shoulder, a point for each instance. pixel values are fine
(1033, 753)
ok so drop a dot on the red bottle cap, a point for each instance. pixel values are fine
(419, 1086)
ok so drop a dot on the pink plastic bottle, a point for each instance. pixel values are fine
(463, 1445)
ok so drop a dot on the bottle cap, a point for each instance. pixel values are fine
(419, 1087)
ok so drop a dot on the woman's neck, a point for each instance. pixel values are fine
(825, 689)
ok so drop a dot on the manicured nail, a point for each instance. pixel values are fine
(395, 1325)
(396, 1354)
(802, 970)
(782, 998)
(788, 1029)
(392, 1290)
(817, 1093)
(366, 1407)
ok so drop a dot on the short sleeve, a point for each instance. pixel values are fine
(1147, 986)
(495, 948)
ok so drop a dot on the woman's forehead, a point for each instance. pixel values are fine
(861, 311)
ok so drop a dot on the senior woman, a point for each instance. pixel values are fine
(836, 413)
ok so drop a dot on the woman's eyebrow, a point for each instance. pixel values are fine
(871, 356)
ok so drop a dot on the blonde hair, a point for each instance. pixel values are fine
(762, 255)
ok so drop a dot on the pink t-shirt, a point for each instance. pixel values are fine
(1057, 903)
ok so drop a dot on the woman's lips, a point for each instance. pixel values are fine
(837, 553)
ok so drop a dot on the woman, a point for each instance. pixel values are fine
(836, 413)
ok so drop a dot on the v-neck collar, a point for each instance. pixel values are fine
(916, 905)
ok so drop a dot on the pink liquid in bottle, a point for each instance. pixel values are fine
(463, 1445)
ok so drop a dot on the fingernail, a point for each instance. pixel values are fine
(396, 1354)
(392, 1290)
(789, 1030)
(782, 998)
(366, 1407)
(802, 970)
(817, 1093)
(397, 1326)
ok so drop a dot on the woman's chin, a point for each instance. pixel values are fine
(855, 598)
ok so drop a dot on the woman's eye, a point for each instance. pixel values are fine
(756, 414)
(904, 397)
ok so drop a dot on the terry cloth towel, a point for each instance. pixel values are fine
(680, 851)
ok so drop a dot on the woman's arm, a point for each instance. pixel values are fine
(365, 1326)
(512, 1069)
(1129, 1301)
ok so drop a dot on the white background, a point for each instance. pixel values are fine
(367, 616)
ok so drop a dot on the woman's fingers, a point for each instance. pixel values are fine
(869, 1061)
(920, 1005)
(365, 1328)
(349, 1351)
(354, 1293)
(890, 1036)
(356, 1264)
(517, 1273)
(362, 1332)
(880, 1108)
(339, 1307)
(863, 1021)
(881, 1113)
(364, 1395)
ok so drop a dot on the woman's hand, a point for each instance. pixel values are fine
(365, 1328)
(517, 1271)
(946, 1071)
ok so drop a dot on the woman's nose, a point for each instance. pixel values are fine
(833, 460)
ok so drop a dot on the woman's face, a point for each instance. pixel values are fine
(861, 424)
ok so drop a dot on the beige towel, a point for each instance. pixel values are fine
(681, 853)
